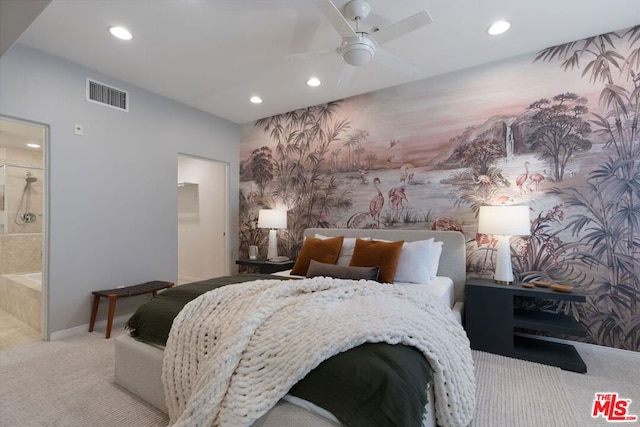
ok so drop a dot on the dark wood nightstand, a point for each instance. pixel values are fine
(490, 319)
(264, 266)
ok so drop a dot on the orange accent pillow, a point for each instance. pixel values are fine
(372, 253)
(321, 250)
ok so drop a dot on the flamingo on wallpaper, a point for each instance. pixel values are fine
(375, 207)
(396, 199)
(523, 178)
(536, 178)
(482, 179)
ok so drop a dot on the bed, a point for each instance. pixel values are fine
(139, 365)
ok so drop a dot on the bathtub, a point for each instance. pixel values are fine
(33, 277)
(21, 296)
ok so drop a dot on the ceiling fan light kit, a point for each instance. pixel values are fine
(360, 47)
(357, 51)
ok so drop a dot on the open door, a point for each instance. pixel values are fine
(202, 190)
(23, 232)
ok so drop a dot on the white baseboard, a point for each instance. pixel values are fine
(99, 327)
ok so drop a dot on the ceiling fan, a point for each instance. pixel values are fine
(359, 47)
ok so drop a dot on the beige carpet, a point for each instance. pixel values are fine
(514, 393)
(70, 383)
(608, 372)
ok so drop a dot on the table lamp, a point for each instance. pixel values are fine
(504, 222)
(272, 219)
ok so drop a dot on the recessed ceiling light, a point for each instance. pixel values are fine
(313, 82)
(256, 99)
(32, 145)
(499, 27)
(121, 33)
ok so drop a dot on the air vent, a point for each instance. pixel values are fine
(107, 95)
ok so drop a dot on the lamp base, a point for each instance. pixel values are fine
(273, 244)
(504, 273)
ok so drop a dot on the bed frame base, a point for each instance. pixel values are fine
(139, 370)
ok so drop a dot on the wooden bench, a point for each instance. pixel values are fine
(122, 292)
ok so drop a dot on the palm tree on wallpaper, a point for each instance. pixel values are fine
(359, 151)
(336, 154)
(302, 165)
(353, 143)
(371, 160)
(544, 255)
(350, 144)
(609, 222)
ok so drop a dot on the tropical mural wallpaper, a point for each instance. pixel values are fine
(556, 131)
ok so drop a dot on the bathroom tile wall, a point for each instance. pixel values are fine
(21, 299)
(20, 253)
(21, 243)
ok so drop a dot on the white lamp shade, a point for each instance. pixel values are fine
(272, 218)
(504, 220)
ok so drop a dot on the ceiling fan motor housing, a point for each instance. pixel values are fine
(357, 9)
(358, 51)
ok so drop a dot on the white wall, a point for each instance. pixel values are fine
(113, 190)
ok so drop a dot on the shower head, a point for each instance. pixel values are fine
(30, 179)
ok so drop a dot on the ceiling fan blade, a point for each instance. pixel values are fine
(377, 21)
(309, 55)
(347, 75)
(336, 19)
(403, 27)
(395, 63)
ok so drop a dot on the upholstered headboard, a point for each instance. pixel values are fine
(453, 261)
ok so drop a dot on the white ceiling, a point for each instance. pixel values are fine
(17, 134)
(215, 54)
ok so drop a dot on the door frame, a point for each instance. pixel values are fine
(226, 210)
(46, 163)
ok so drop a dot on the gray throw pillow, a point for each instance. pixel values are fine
(342, 271)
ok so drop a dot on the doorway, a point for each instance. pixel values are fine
(203, 245)
(23, 236)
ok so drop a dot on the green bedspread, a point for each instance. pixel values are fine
(374, 384)
(151, 323)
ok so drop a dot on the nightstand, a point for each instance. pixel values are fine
(264, 266)
(490, 319)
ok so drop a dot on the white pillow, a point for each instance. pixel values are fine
(434, 258)
(414, 265)
(348, 245)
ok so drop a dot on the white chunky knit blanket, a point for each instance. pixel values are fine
(235, 351)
